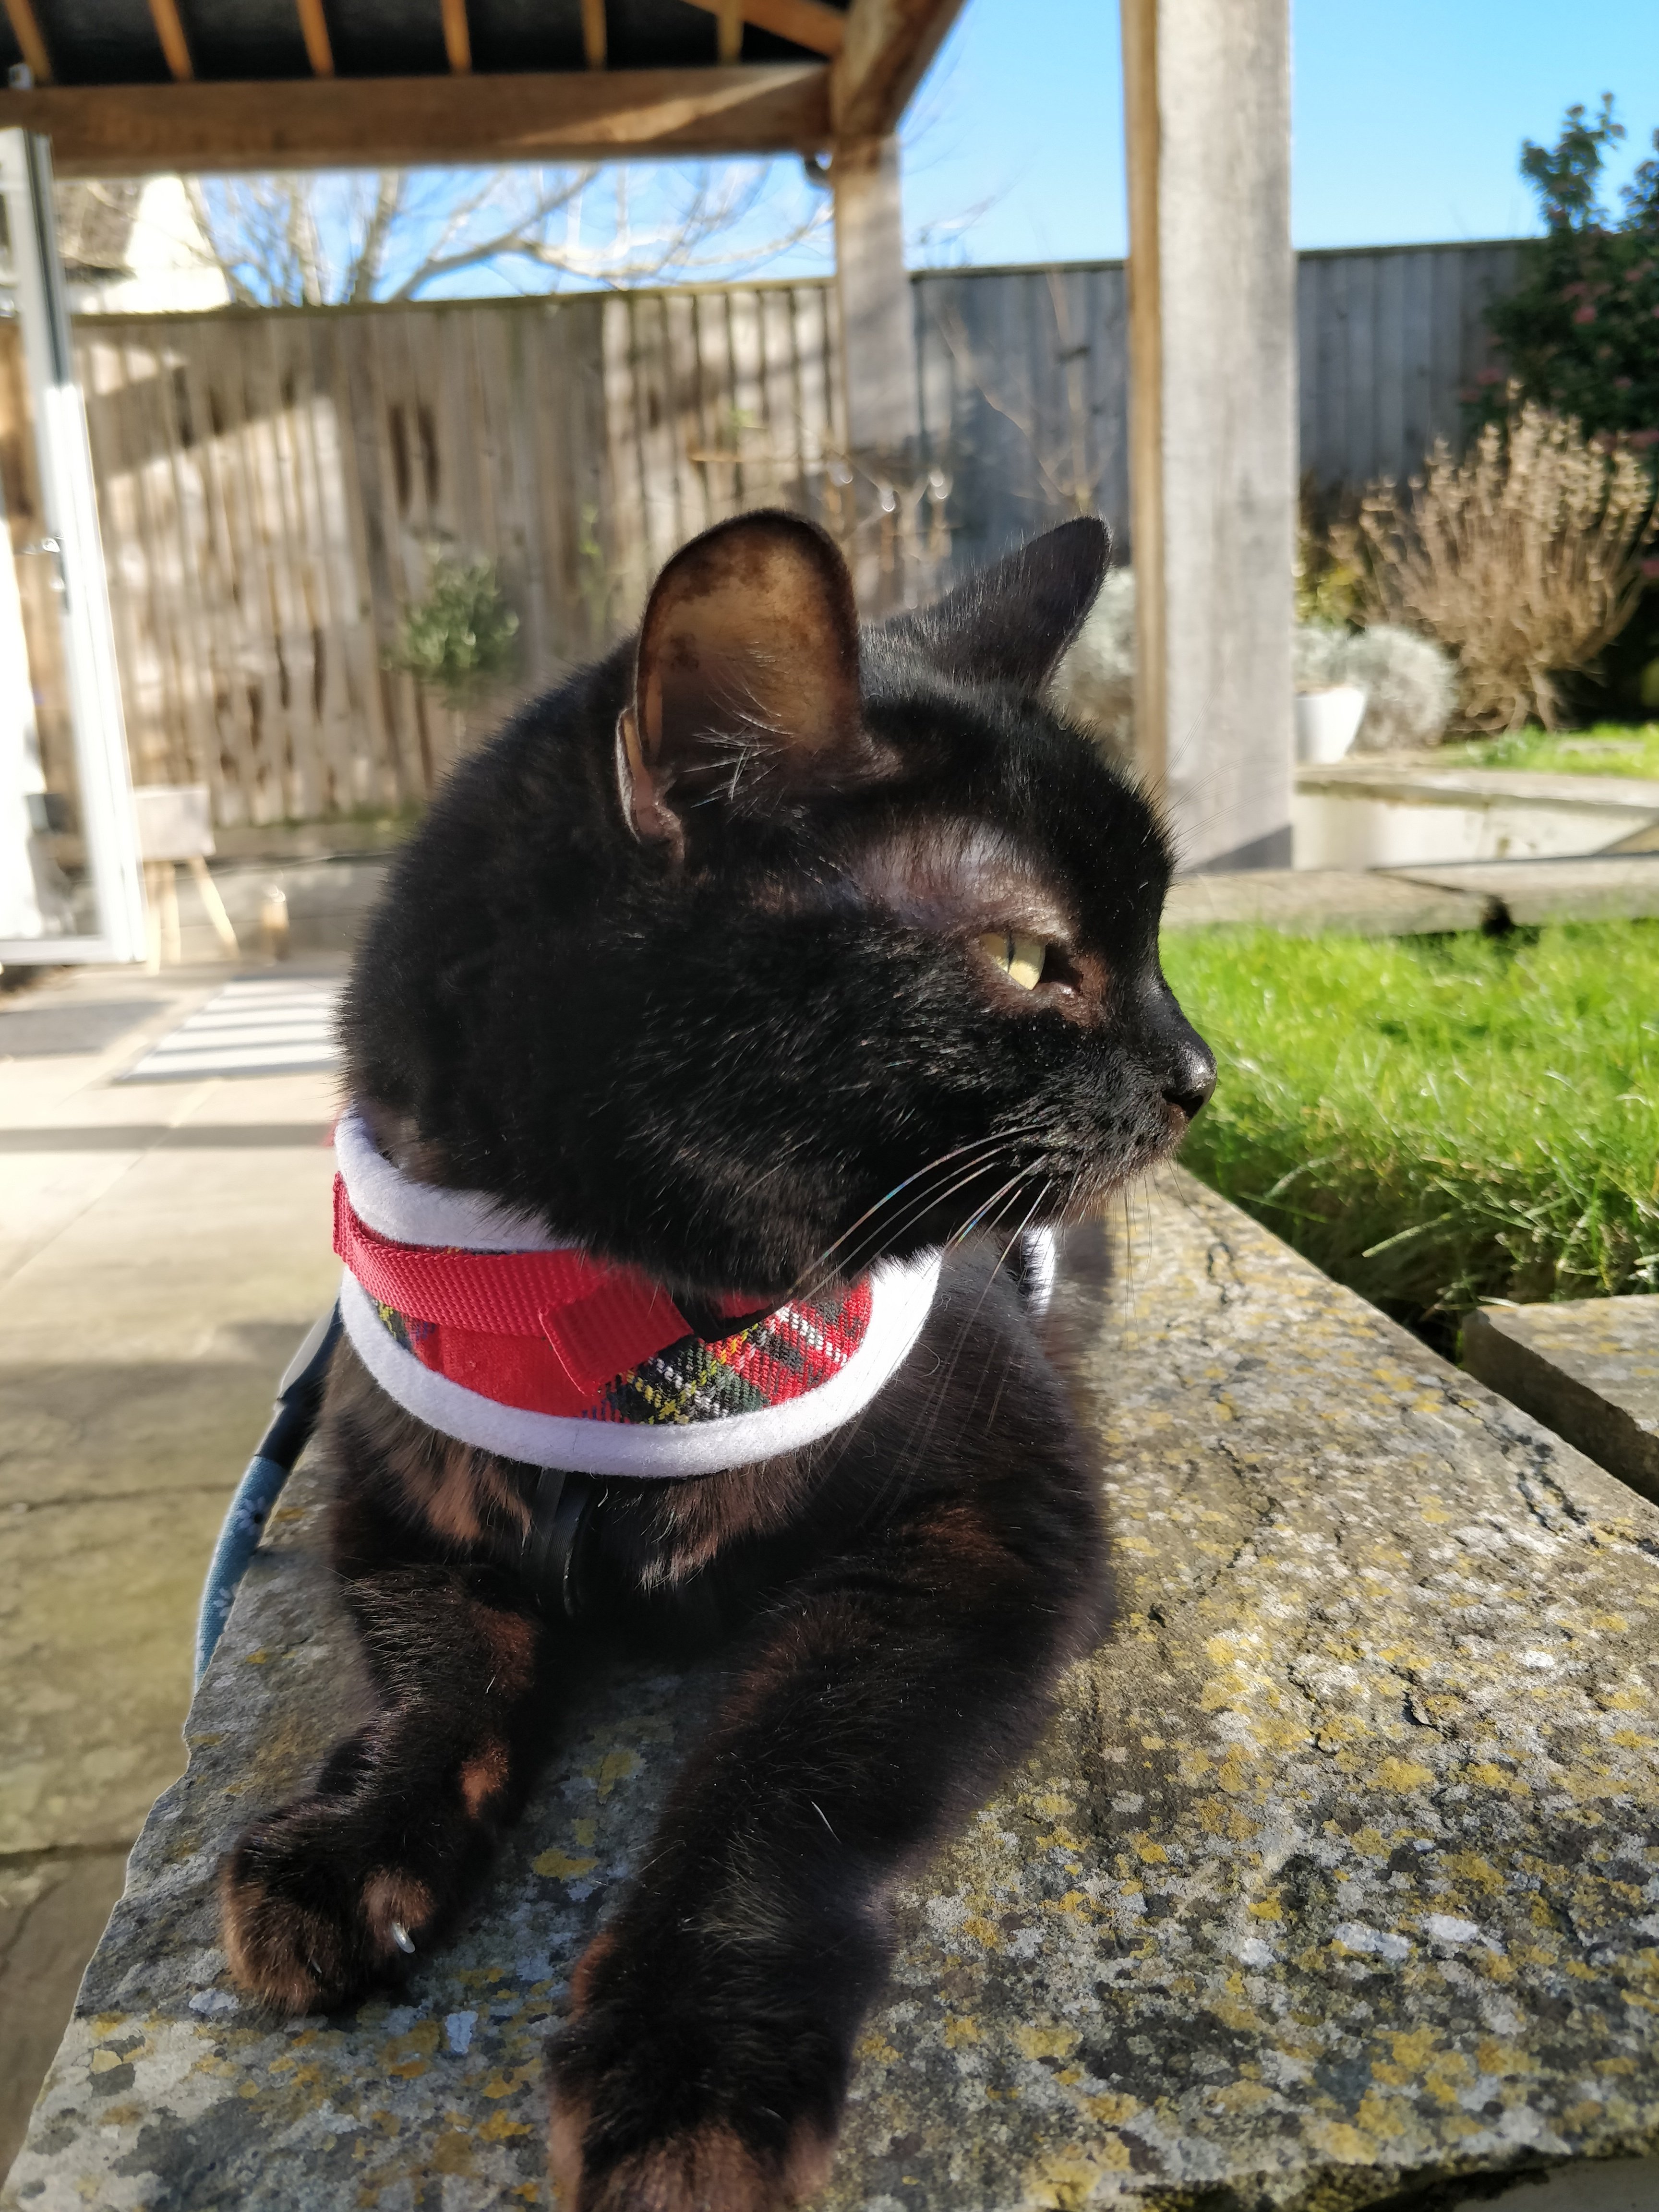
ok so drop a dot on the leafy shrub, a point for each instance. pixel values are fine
(1580, 331)
(461, 636)
(1316, 652)
(1409, 685)
(1523, 559)
(1095, 683)
(1408, 682)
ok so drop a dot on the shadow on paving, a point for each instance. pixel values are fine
(113, 1480)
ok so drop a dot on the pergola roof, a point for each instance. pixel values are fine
(123, 86)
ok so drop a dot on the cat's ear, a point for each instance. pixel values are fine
(1011, 623)
(746, 684)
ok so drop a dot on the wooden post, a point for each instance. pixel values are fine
(877, 333)
(878, 363)
(1213, 419)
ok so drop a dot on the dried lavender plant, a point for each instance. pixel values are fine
(1523, 558)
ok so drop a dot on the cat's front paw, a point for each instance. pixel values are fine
(311, 1919)
(707, 2169)
(639, 2125)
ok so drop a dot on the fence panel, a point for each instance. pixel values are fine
(274, 488)
(1390, 340)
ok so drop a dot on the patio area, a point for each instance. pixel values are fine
(163, 1245)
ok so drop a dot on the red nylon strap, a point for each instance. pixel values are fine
(600, 1320)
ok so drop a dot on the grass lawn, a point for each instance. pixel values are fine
(1438, 1120)
(1608, 749)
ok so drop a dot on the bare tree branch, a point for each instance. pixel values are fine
(312, 240)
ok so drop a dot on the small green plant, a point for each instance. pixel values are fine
(1603, 749)
(1326, 588)
(597, 581)
(460, 638)
(1437, 1122)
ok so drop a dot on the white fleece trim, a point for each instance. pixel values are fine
(421, 1212)
(901, 1295)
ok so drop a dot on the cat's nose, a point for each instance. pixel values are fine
(1191, 1076)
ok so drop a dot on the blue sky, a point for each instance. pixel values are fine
(1408, 117)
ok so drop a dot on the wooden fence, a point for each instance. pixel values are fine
(1025, 385)
(273, 487)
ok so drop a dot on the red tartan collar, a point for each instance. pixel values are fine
(544, 1330)
(490, 1330)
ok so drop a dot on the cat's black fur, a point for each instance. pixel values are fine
(688, 960)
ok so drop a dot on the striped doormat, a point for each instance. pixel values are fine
(265, 1027)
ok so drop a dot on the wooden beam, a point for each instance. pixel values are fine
(19, 14)
(888, 46)
(594, 42)
(331, 123)
(164, 14)
(809, 23)
(728, 24)
(458, 37)
(314, 27)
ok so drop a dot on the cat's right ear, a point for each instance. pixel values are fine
(747, 686)
(1012, 622)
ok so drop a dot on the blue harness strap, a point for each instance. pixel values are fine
(299, 1396)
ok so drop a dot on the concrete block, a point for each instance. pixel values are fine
(1310, 901)
(1327, 1887)
(1602, 888)
(1587, 1368)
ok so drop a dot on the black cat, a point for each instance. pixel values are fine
(765, 962)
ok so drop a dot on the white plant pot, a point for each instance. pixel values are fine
(1327, 721)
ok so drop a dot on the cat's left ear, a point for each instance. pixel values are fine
(746, 686)
(1011, 623)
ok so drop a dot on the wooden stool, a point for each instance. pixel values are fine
(175, 823)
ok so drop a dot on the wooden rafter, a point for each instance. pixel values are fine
(810, 23)
(317, 123)
(889, 45)
(313, 29)
(593, 34)
(170, 30)
(458, 38)
(19, 14)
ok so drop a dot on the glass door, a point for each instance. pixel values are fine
(72, 884)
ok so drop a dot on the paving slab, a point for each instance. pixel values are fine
(1587, 1368)
(1413, 783)
(162, 1251)
(1335, 1879)
(1313, 901)
(1618, 888)
(53, 1907)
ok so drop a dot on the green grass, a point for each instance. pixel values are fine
(1438, 1120)
(1616, 750)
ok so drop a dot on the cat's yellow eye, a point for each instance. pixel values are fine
(1020, 957)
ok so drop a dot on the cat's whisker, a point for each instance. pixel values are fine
(940, 1160)
(879, 1237)
(912, 1455)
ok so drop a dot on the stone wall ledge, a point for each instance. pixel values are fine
(1335, 1882)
